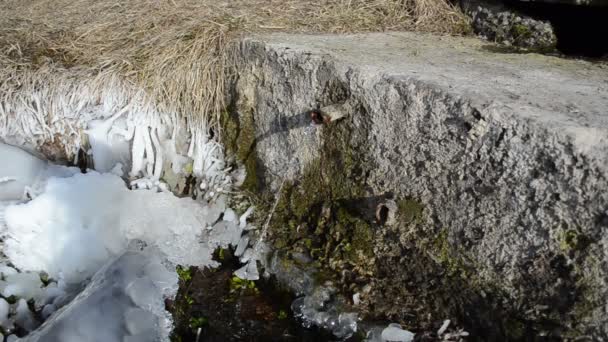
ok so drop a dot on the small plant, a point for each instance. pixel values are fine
(197, 322)
(189, 300)
(282, 314)
(183, 273)
(237, 283)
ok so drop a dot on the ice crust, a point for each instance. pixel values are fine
(107, 254)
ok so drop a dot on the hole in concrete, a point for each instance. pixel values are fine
(386, 213)
(382, 214)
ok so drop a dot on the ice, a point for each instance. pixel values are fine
(230, 216)
(356, 298)
(24, 174)
(318, 309)
(80, 222)
(48, 310)
(70, 230)
(51, 292)
(108, 149)
(178, 161)
(90, 231)
(4, 310)
(6, 270)
(443, 327)
(144, 293)
(24, 285)
(243, 219)
(19, 170)
(243, 243)
(248, 272)
(238, 176)
(24, 317)
(138, 320)
(226, 233)
(103, 311)
(138, 151)
(394, 333)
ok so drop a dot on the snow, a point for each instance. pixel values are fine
(80, 222)
(23, 285)
(91, 231)
(6, 270)
(24, 317)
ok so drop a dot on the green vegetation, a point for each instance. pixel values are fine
(183, 273)
(238, 284)
(410, 210)
(197, 322)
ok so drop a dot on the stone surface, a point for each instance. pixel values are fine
(497, 162)
(494, 22)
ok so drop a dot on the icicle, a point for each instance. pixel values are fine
(248, 272)
(149, 152)
(158, 164)
(197, 165)
(138, 151)
(243, 218)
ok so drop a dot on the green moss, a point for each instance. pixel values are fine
(450, 258)
(238, 136)
(320, 212)
(282, 314)
(521, 32)
(410, 210)
(571, 240)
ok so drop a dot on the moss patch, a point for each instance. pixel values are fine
(238, 135)
(410, 210)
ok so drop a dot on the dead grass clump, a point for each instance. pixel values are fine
(170, 55)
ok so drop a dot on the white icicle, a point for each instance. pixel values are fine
(158, 164)
(197, 165)
(149, 152)
(138, 151)
(444, 327)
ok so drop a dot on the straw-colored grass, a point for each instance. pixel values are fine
(58, 57)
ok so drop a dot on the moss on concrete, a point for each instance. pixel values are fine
(325, 214)
(238, 136)
(410, 210)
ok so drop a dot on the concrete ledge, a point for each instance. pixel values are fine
(506, 155)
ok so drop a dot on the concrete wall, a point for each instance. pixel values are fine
(496, 165)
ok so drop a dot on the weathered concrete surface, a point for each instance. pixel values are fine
(498, 163)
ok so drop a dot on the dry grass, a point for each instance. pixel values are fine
(169, 56)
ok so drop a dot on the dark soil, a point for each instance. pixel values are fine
(228, 309)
